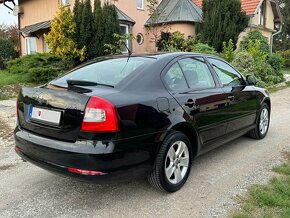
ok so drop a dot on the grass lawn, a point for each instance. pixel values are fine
(271, 200)
(10, 84)
(9, 79)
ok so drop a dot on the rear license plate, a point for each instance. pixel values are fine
(44, 115)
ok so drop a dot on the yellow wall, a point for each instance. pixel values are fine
(268, 18)
(35, 11)
(266, 30)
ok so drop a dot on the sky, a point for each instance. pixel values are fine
(6, 16)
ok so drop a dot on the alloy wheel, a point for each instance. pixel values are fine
(264, 121)
(176, 162)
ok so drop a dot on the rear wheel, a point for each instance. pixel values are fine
(172, 164)
(262, 124)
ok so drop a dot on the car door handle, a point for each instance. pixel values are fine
(231, 97)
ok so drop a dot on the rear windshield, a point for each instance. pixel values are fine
(109, 72)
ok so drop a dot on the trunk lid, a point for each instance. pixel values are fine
(53, 113)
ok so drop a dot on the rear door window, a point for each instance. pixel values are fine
(197, 73)
(174, 78)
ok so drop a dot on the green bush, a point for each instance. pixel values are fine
(203, 48)
(253, 36)
(286, 56)
(7, 50)
(39, 68)
(228, 51)
(255, 49)
(163, 40)
(263, 71)
(189, 44)
(245, 63)
(276, 61)
(170, 48)
(171, 41)
(268, 75)
(175, 41)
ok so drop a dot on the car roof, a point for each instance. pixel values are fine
(157, 55)
(161, 55)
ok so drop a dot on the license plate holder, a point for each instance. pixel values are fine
(44, 115)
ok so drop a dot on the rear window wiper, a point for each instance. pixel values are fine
(86, 83)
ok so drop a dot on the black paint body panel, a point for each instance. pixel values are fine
(147, 112)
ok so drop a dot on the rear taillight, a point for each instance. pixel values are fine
(100, 116)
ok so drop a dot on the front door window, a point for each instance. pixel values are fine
(227, 75)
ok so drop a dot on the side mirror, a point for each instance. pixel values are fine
(251, 80)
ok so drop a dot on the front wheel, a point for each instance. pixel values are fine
(262, 124)
(172, 164)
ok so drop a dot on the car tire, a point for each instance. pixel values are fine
(262, 123)
(173, 163)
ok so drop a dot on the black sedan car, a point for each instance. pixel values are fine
(117, 117)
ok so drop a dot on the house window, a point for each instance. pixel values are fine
(64, 2)
(125, 30)
(30, 44)
(261, 13)
(140, 4)
(45, 47)
(140, 38)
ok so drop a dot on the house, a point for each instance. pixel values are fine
(264, 15)
(35, 16)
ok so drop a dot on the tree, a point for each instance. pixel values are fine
(111, 24)
(153, 24)
(96, 48)
(118, 46)
(77, 11)
(282, 41)
(86, 32)
(222, 20)
(11, 33)
(61, 37)
(7, 50)
(252, 37)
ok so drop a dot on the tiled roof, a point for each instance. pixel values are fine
(124, 17)
(178, 11)
(249, 6)
(35, 27)
(198, 3)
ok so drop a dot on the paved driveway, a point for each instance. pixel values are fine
(215, 180)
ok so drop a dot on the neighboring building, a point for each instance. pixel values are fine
(264, 15)
(35, 16)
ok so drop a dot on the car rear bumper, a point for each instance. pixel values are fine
(112, 166)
